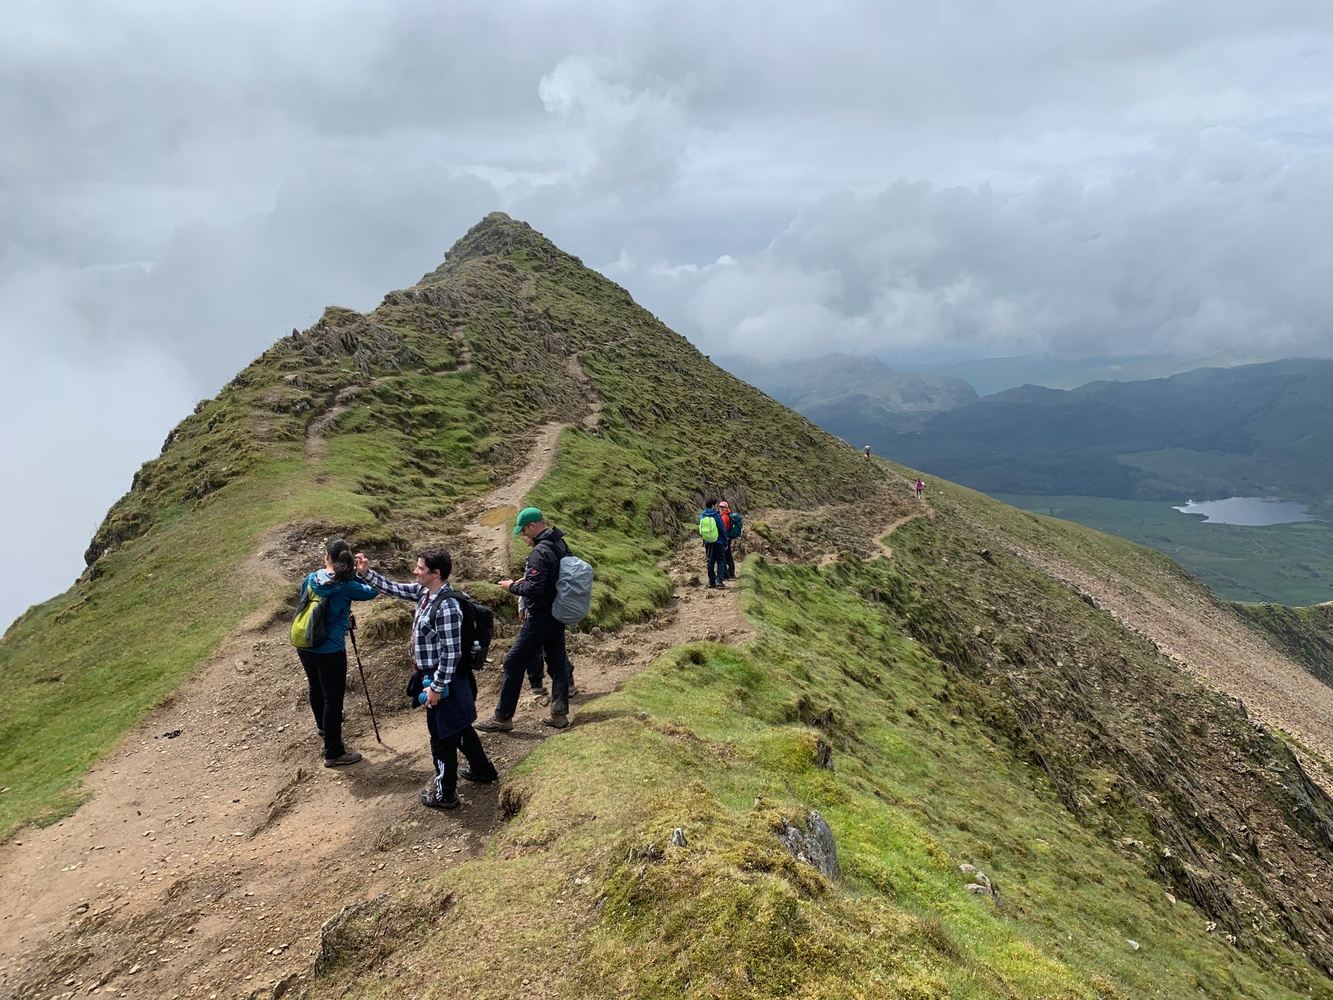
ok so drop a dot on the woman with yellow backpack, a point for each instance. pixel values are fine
(319, 634)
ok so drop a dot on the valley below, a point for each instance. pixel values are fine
(1290, 563)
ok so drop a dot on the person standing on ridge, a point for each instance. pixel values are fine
(326, 664)
(714, 535)
(867, 452)
(437, 651)
(541, 632)
(918, 488)
(733, 523)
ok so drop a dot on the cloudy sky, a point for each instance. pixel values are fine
(180, 187)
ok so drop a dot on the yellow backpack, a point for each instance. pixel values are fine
(310, 626)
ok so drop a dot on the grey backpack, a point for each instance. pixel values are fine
(573, 591)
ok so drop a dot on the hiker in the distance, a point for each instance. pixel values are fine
(713, 531)
(918, 488)
(867, 451)
(734, 524)
(437, 652)
(326, 664)
(541, 633)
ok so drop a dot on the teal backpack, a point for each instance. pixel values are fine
(737, 525)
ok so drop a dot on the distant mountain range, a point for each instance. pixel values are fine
(991, 375)
(1263, 429)
(861, 395)
(1252, 430)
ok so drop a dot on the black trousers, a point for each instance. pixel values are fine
(730, 562)
(716, 554)
(535, 676)
(444, 756)
(541, 635)
(326, 674)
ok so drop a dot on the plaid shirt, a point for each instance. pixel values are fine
(437, 640)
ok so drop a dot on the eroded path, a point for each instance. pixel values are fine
(490, 520)
(215, 844)
(1204, 637)
(881, 549)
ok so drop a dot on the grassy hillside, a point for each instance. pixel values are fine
(939, 710)
(951, 706)
(377, 427)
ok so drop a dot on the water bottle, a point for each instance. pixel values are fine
(476, 653)
(421, 698)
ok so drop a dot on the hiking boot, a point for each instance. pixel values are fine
(343, 759)
(573, 689)
(538, 689)
(467, 774)
(556, 721)
(495, 724)
(433, 801)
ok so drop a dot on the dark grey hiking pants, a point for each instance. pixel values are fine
(541, 635)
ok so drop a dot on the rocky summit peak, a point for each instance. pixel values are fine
(496, 235)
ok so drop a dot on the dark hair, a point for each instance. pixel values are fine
(712, 502)
(439, 559)
(341, 554)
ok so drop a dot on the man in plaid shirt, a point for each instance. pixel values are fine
(437, 651)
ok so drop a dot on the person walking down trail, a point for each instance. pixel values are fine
(437, 652)
(536, 676)
(734, 525)
(325, 659)
(918, 488)
(541, 633)
(713, 531)
(867, 451)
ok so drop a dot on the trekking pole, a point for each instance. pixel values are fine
(362, 671)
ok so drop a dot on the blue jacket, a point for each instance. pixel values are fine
(716, 515)
(340, 597)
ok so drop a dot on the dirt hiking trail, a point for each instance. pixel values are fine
(215, 844)
(488, 522)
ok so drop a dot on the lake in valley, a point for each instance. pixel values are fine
(1249, 511)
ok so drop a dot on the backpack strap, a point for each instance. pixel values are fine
(465, 665)
(436, 602)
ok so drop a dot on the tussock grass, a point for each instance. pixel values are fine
(583, 894)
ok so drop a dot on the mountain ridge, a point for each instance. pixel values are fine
(940, 701)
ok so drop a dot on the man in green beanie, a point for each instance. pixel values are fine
(541, 633)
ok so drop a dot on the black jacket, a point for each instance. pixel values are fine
(537, 588)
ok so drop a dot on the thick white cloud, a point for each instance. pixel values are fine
(1220, 244)
(179, 185)
(75, 429)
